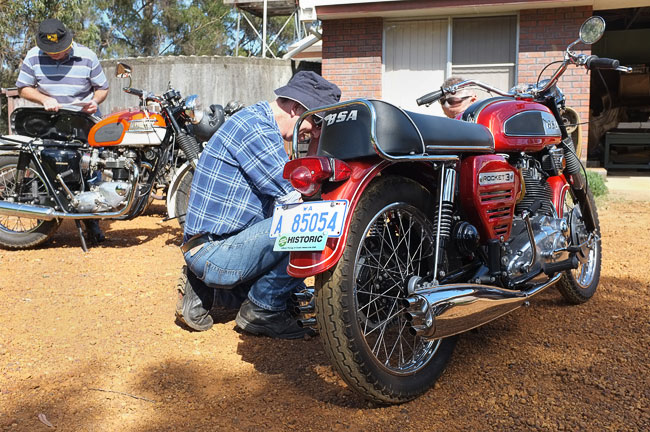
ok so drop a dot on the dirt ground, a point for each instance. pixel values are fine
(88, 342)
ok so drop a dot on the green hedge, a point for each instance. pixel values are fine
(597, 184)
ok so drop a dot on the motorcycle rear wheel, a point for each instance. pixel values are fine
(17, 232)
(579, 285)
(360, 315)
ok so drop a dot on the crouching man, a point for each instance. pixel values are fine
(238, 180)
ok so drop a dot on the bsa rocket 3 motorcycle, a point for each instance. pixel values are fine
(418, 228)
(71, 165)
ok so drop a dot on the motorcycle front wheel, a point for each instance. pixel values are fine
(360, 303)
(579, 285)
(183, 197)
(18, 232)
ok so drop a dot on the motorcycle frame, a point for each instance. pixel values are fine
(134, 204)
(304, 264)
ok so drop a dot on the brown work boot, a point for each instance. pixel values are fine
(194, 303)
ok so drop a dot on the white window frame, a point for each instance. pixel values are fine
(450, 18)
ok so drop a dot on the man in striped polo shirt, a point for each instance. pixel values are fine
(59, 73)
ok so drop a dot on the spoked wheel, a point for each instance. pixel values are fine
(183, 197)
(19, 232)
(579, 285)
(360, 309)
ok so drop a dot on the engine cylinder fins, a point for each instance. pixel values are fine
(189, 145)
(554, 161)
(536, 190)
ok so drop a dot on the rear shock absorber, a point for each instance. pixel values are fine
(443, 219)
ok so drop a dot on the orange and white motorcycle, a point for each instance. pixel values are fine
(72, 165)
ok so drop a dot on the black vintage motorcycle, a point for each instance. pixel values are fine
(435, 226)
(71, 165)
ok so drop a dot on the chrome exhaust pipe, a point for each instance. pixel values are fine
(27, 211)
(307, 322)
(30, 211)
(303, 296)
(310, 308)
(451, 309)
(305, 308)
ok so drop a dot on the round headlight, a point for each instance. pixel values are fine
(191, 107)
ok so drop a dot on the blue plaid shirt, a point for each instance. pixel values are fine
(239, 175)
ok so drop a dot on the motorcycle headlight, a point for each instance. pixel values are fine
(192, 108)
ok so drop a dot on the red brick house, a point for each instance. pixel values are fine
(398, 50)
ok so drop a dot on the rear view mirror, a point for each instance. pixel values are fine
(123, 71)
(592, 30)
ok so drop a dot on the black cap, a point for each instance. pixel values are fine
(53, 37)
(310, 90)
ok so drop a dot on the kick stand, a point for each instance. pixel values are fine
(81, 235)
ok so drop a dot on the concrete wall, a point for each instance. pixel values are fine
(214, 79)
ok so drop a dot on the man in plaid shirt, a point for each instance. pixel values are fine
(238, 180)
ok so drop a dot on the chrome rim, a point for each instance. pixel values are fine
(397, 244)
(33, 185)
(584, 274)
(588, 258)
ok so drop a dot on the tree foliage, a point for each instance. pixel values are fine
(131, 28)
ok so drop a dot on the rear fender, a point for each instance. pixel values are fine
(304, 263)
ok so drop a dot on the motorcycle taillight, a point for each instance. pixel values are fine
(308, 174)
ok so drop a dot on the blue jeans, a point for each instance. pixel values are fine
(245, 262)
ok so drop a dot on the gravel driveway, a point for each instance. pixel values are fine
(88, 343)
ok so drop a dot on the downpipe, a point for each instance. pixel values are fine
(30, 211)
(446, 310)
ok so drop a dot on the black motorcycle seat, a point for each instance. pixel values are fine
(62, 125)
(347, 134)
(442, 132)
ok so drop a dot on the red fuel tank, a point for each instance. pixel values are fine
(519, 125)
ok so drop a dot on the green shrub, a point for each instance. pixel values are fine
(597, 184)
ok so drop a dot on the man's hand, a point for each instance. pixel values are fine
(50, 104)
(90, 107)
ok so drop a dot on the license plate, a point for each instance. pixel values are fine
(310, 218)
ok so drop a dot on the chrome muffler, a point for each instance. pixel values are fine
(446, 310)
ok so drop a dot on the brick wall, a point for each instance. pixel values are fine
(352, 56)
(544, 35)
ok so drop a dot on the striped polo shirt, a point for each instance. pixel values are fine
(72, 79)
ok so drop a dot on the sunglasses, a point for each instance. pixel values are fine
(453, 100)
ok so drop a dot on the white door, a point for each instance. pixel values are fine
(415, 60)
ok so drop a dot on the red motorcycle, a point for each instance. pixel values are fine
(418, 228)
